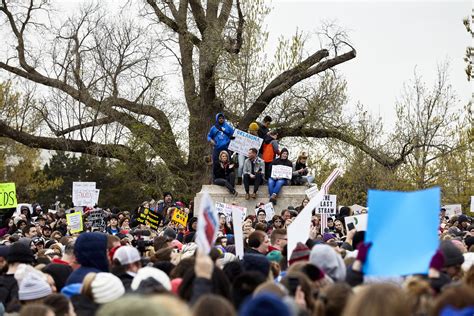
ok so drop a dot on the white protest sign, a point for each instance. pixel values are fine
(359, 221)
(243, 142)
(472, 204)
(227, 210)
(311, 192)
(358, 209)
(327, 205)
(269, 211)
(453, 210)
(281, 172)
(84, 194)
(238, 233)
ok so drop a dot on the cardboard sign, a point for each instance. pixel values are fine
(453, 210)
(269, 211)
(96, 219)
(243, 142)
(148, 218)
(358, 209)
(84, 194)
(226, 209)
(281, 172)
(238, 232)
(180, 217)
(327, 205)
(472, 204)
(311, 192)
(393, 253)
(359, 222)
(74, 220)
(8, 195)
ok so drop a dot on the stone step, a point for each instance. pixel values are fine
(289, 196)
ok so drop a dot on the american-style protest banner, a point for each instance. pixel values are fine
(96, 218)
(281, 172)
(8, 195)
(180, 217)
(453, 210)
(207, 225)
(327, 205)
(84, 194)
(74, 221)
(243, 142)
(227, 210)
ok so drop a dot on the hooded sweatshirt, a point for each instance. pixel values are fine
(90, 250)
(220, 133)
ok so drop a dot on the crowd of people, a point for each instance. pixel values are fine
(127, 267)
(256, 168)
(146, 262)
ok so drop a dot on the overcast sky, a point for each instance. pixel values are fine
(391, 38)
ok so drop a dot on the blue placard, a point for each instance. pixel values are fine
(402, 227)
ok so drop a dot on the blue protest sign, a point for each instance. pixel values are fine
(402, 227)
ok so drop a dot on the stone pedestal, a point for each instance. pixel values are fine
(289, 196)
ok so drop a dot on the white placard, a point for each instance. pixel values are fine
(358, 209)
(84, 194)
(281, 172)
(359, 221)
(327, 205)
(227, 210)
(243, 142)
(269, 211)
(453, 210)
(311, 192)
(238, 233)
(472, 204)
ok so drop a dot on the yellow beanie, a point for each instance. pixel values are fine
(253, 126)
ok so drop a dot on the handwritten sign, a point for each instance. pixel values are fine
(359, 221)
(74, 220)
(8, 195)
(148, 218)
(84, 194)
(96, 220)
(453, 210)
(327, 205)
(243, 142)
(226, 209)
(180, 217)
(281, 172)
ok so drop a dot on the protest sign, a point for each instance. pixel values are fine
(238, 233)
(227, 210)
(243, 142)
(472, 204)
(74, 221)
(207, 225)
(281, 172)
(311, 192)
(96, 220)
(453, 210)
(407, 253)
(358, 209)
(327, 205)
(180, 217)
(8, 195)
(269, 211)
(84, 194)
(359, 222)
(148, 217)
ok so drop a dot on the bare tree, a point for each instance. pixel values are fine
(104, 76)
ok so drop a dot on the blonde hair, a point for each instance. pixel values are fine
(86, 288)
(223, 152)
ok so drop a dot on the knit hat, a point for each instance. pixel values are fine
(265, 304)
(455, 232)
(169, 233)
(327, 259)
(4, 251)
(275, 256)
(452, 255)
(127, 255)
(328, 236)
(149, 272)
(59, 272)
(469, 241)
(300, 253)
(253, 127)
(33, 287)
(21, 253)
(90, 250)
(106, 288)
(256, 262)
(462, 218)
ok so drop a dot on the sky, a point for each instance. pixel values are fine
(391, 39)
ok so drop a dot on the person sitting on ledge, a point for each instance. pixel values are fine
(252, 173)
(223, 172)
(274, 185)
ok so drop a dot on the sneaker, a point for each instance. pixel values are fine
(254, 195)
(247, 196)
(273, 200)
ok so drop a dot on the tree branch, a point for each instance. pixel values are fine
(101, 121)
(199, 15)
(288, 79)
(378, 156)
(233, 46)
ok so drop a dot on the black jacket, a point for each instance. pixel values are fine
(222, 173)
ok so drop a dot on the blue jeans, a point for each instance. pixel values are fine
(274, 186)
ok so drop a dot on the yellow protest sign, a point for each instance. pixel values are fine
(74, 221)
(180, 217)
(8, 195)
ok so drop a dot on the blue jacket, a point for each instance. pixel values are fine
(220, 134)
